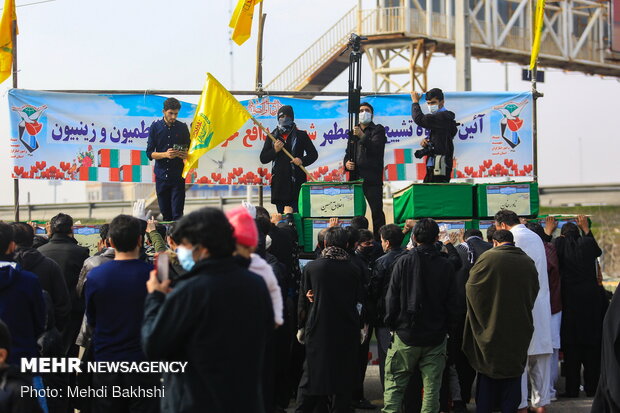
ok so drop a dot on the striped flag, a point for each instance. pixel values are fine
(136, 173)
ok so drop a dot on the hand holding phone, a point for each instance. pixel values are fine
(162, 266)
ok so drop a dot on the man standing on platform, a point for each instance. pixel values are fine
(368, 162)
(438, 146)
(168, 144)
(287, 176)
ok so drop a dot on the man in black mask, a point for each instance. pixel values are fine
(367, 160)
(287, 175)
(438, 147)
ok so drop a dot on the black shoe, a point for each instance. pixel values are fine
(459, 406)
(364, 404)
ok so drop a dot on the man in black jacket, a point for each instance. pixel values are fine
(420, 311)
(217, 318)
(287, 177)
(469, 251)
(49, 273)
(438, 147)
(65, 251)
(367, 161)
(391, 240)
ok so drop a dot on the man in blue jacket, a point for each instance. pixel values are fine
(21, 301)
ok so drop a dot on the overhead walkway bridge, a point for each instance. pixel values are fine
(404, 34)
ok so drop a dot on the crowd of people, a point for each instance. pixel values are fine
(450, 312)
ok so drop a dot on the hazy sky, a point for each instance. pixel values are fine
(155, 44)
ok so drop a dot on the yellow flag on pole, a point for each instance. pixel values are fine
(6, 39)
(241, 20)
(539, 18)
(218, 115)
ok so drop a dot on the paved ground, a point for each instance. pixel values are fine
(373, 391)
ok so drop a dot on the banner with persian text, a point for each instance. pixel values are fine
(89, 137)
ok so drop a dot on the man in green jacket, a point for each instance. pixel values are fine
(501, 290)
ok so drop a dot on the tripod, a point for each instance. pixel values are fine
(355, 87)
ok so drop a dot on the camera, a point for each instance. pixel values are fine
(427, 151)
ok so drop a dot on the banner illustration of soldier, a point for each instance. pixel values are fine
(89, 137)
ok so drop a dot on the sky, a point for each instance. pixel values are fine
(155, 44)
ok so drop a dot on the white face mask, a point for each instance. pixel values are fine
(433, 108)
(365, 118)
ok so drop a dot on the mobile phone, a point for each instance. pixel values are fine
(162, 265)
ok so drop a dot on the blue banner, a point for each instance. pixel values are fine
(102, 138)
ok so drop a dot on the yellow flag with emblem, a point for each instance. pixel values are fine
(6, 39)
(218, 115)
(241, 20)
(539, 19)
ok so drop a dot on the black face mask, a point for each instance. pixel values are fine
(285, 123)
(366, 250)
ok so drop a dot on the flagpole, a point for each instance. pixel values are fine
(259, 74)
(14, 56)
(287, 153)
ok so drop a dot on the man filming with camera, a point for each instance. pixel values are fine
(439, 146)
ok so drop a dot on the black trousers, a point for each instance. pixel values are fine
(374, 196)
(170, 197)
(431, 178)
(125, 381)
(307, 403)
(574, 357)
(281, 204)
(491, 393)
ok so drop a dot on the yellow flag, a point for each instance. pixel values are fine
(241, 20)
(539, 18)
(218, 115)
(6, 41)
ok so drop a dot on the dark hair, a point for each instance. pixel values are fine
(172, 104)
(508, 217)
(354, 237)
(209, 228)
(263, 224)
(125, 233)
(320, 238)
(570, 230)
(359, 222)
(393, 234)
(337, 237)
(61, 224)
(366, 235)
(23, 234)
(39, 240)
(6, 237)
(103, 231)
(503, 235)
(261, 212)
(434, 93)
(143, 224)
(490, 231)
(368, 105)
(537, 228)
(171, 232)
(5, 337)
(472, 233)
(425, 231)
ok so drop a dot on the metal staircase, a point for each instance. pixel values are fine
(402, 39)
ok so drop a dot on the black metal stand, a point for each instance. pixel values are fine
(355, 88)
